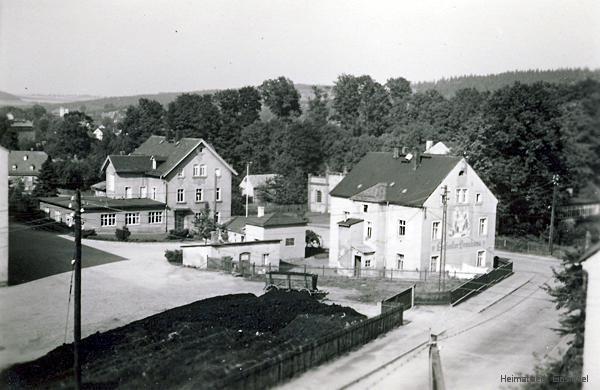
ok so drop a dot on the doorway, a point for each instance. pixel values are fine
(179, 220)
(357, 261)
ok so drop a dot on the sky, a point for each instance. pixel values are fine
(125, 47)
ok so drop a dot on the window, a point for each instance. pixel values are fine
(480, 258)
(25, 157)
(202, 170)
(265, 258)
(218, 172)
(132, 218)
(217, 217)
(32, 167)
(110, 182)
(196, 170)
(154, 193)
(461, 195)
(478, 198)
(14, 167)
(365, 208)
(180, 195)
(367, 263)
(401, 227)
(108, 219)
(128, 193)
(433, 265)
(346, 215)
(436, 233)
(319, 196)
(218, 194)
(155, 217)
(483, 226)
(181, 173)
(199, 196)
(369, 230)
(289, 242)
(57, 216)
(400, 261)
(143, 192)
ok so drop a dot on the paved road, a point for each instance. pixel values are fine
(494, 333)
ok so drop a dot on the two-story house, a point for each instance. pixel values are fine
(388, 212)
(162, 185)
(25, 167)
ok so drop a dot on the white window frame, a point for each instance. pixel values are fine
(399, 261)
(480, 259)
(180, 197)
(437, 263)
(132, 218)
(154, 193)
(109, 219)
(143, 192)
(462, 195)
(401, 227)
(265, 258)
(196, 170)
(367, 263)
(290, 242)
(478, 198)
(217, 172)
(203, 170)
(483, 226)
(217, 217)
(128, 193)
(155, 217)
(218, 194)
(319, 196)
(436, 231)
(181, 173)
(200, 192)
(369, 233)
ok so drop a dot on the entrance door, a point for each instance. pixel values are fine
(179, 219)
(357, 260)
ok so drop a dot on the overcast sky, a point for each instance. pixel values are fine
(117, 47)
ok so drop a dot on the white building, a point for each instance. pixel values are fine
(3, 216)
(250, 183)
(387, 212)
(591, 347)
(319, 188)
(289, 229)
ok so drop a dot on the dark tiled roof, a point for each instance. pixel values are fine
(236, 224)
(22, 125)
(171, 152)
(131, 164)
(378, 177)
(276, 219)
(349, 222)
(35, 159)
(93, 203)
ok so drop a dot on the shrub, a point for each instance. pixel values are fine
(85, 233)
(179, 234)
(174, 256)
(122, 234)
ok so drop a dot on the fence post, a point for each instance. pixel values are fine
(304, 268)
(269, 267)
(253, 269)
(323, 270)
(391, 273)
(384, 271)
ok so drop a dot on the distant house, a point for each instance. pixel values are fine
(438, 148)
(258, 252)
(250, 183)
(4, 157)
(25, 166)
(289, 229)
(162, 185)
(319, 188)
(387, 212)
(99, 189)
(585, 204)
(99, 132)
(24, 130)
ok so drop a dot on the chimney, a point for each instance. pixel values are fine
(396, 153)
(417, 159)
(428, 145)
(345, 172)
(404, 150)
(260, 211)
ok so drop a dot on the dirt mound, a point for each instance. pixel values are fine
(195, 344)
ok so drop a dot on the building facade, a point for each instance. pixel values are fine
(3, 216)
(24, 167)
(388, 212)
(319, 188)
(250, 183)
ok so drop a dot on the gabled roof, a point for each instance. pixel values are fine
(258, 180)
(129, 164)
(236, 224)
(23, 166)
(403, 184)
(276, 219)
(175, 152)
(94, 203)
(349, 222)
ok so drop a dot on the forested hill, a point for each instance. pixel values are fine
(492, 82)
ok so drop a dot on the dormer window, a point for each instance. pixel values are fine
(14, 167)
(32, 167)
(218, 172)
(25, 157)
(153, 163)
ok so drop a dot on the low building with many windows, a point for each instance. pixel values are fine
(388, 212)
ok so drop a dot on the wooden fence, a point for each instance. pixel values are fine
(433, 298)
(405, 298)
(482, 282)
(299, 359)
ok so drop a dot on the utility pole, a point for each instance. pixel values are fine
(436, 376)
(77, 311)
(246, 187)
(554, 193)
(442, 273)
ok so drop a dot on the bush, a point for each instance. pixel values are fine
(179, 234)
(122, 234)
(85, 233)
(175, 256)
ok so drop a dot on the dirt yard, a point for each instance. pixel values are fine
(194, 345)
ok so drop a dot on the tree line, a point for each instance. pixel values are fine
(517, 137)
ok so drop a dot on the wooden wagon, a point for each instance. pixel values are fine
(300, 281)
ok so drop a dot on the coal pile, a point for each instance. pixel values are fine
(197, 343)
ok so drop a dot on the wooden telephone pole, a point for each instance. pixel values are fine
(77, 311)
(442, 273)
(436, 376)
(554, 193)
(247, 181)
